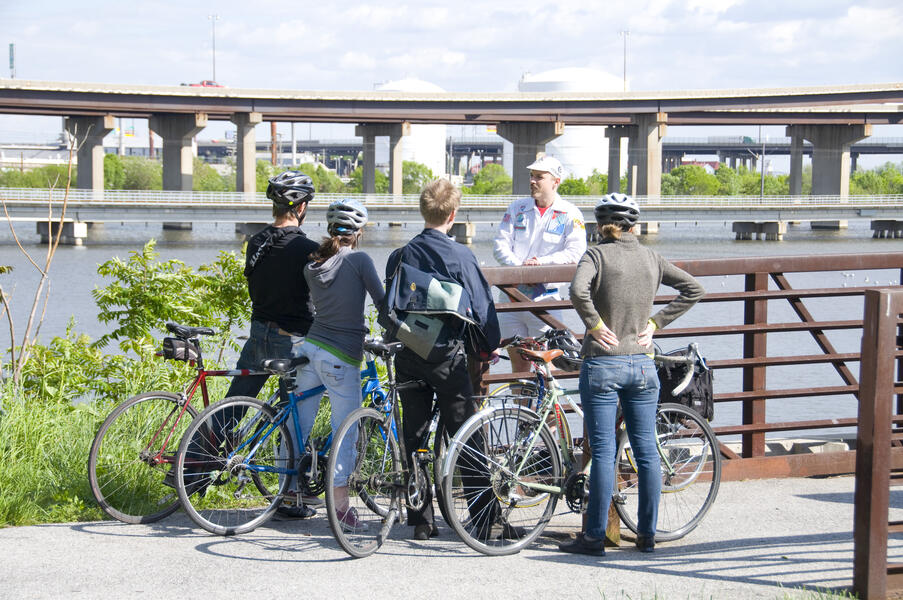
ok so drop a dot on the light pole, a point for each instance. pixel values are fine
(625, 33)
(213, 19)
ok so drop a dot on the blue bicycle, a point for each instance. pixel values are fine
(237, 460)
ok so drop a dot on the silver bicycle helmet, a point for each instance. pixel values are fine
(617, 209)
(564, 340)
(345, 216)
(290, 188)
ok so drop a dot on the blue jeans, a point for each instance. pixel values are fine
(632, 379)
(265, 341)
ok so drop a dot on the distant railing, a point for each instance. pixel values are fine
(160, 197)
(751, 358)
(880, 456)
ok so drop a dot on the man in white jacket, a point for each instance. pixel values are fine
(546, 230)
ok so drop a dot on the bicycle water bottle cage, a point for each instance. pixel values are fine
(283, 366)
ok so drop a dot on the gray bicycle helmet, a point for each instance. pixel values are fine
(617, 209)
(290, 188)
(564, 340)
(345, 216)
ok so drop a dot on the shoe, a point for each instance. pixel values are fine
(484, 532)
(513, 532)
(312, 500)
(645, 543)
(349, 521)
(295, 512)
(425, 531)
(583, 545)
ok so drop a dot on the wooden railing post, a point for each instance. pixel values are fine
(873, 442)
(755, 312)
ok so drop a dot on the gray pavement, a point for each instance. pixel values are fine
(781, 538)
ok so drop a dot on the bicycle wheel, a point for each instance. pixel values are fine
(691, 473)
(440, 448)
(132, 453)
(501, 480)
(231, 466)
(365, 443)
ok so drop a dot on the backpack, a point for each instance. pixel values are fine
(699, 395)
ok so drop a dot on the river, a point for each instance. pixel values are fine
(74, 275)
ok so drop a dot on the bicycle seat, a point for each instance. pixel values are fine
(543, 356)
(381, 348)
(283, 366)
(185, 332)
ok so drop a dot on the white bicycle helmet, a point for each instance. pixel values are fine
(617, 209)
(290, 188)
(345, 216)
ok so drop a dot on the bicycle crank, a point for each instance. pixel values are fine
(575, 491)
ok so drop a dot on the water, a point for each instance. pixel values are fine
(74, 276)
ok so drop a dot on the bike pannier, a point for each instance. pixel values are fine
(698, 395)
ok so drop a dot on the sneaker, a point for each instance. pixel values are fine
(484, 532)
(295, 512)
(425, 531)
(583, 545)
(513, 532)
(349, 521)
(645, 543)
(311, 500)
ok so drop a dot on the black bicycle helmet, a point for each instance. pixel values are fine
(345, 216)
(564, 340)
(290, 188)
(617, 209)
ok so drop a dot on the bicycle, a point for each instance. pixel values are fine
(128, 460)
(384, 476)
(530, 467)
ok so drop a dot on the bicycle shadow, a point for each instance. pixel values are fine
(815, 562)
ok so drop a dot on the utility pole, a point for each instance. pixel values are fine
(762, 180)
(12, 61)
(213, 19)
(625, 33)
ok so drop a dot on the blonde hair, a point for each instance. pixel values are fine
(610, 231)
(438, 200)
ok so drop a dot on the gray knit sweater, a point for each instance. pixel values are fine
(616, 281)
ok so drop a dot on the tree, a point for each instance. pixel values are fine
(141, 173)
(692, 180)
(728, 181)
(113, 172)
(414, 177)
(490, 180)
(207, 178)
(356, 183)
(597, 183)
(573, 187)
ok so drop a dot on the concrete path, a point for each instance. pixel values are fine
(786, 538)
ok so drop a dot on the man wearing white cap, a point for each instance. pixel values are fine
(545, 231)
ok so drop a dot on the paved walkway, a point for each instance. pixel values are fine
(786, 538)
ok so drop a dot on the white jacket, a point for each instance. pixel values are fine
(557, 237)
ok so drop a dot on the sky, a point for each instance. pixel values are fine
(462, 46)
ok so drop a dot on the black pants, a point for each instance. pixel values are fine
(449, 383)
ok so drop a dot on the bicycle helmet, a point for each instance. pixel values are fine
(290, 189)
(345, 216)
(565, 341)
(617, 209)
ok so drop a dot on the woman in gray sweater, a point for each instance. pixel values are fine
(612, 291)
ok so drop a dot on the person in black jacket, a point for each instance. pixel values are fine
(444, 367)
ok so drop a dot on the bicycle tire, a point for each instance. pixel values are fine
(486, 447)
(124, 470)
(223, 490)
(691, 473)
(373, 485)
(440, 447)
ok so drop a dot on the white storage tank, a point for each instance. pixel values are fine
(426, 143)
(581, 148)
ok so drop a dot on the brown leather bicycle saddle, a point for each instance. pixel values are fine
(543, 356)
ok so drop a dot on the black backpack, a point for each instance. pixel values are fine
(698, 395)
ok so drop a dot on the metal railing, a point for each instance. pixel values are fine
(879, 460)
(754, 389)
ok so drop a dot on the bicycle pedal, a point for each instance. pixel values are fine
(619, 499)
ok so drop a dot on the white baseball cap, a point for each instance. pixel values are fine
(549, 164)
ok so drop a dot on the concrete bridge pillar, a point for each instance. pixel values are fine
(615, 133)
(394, 131)
(177, 132)
(796, 161)
(246, 151)
(644, 155)
(74, 233)
(830, 154)
(529, 141)
(89, 133)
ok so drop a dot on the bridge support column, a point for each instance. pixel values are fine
(178, 132)
(74, 232)
(463, 232)
(246, 151)
(887, 228)
(768, 230)
(529, 141)
(644, 154)
(394, 131)
(829, 225)
(796, 161)
(615, 133)
(89, 133)
(831, 155)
